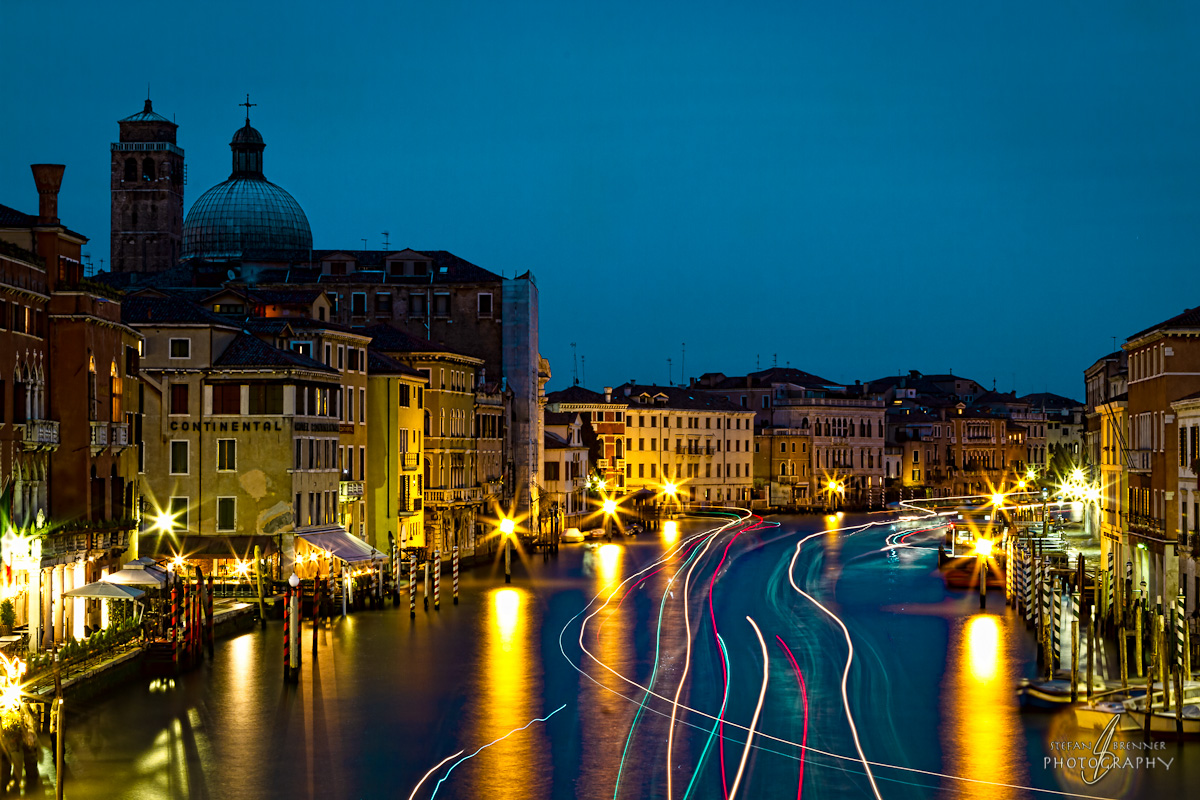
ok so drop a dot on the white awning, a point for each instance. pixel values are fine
(340, 544)
(105, 590)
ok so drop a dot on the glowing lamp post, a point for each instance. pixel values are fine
(983, 549)
(610, 510)
(671, 490)
(507, 527)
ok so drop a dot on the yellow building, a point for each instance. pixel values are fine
(453, 497)
(699, 442)
(396, 415)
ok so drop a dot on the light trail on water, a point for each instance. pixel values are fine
(762, 694)
(584, 617)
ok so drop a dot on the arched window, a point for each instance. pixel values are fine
(147, 169)
(114, 388)
(131, 169)
(93, 410)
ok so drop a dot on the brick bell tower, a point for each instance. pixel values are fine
(147, 194)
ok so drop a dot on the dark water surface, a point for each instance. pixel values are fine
(386, 699)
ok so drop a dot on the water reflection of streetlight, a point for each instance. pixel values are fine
(508, 606)
(983, 644)
(670, 531)
(610, 562)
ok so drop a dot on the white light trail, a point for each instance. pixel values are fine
(762, 694)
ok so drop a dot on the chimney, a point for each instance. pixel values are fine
(48, 178)
(608, 394)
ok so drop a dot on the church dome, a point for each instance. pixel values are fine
(246, 218)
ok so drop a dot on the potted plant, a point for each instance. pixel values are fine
(8, 618)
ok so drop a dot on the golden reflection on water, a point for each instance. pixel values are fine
(609, 565)
(981, 732)
(509, 690)
(670, 531)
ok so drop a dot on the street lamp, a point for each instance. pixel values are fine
(507, 527)
(610, 510)
(983, 549)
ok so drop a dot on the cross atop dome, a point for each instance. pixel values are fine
(248, 106)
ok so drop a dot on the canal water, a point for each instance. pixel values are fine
(538, 690)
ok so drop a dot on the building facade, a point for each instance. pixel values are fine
(394, 483)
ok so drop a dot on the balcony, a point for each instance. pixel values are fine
(118, 436)
(349, 489)
(1141, 460)
(407, 509)
(40, 434)
(99, 436)
(410, 461)
(467, 494)
(1150, 527)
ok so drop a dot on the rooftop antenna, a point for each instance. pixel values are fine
(364, 241)
(756, 361)
(669, 375)
(248, 106)
(1114, 343)
(683, 363)
(385, 240)
(774, 359)
(583, 369)
(574, 364)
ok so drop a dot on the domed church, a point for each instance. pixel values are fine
(246, 218)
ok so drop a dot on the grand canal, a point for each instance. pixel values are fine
(581, 680)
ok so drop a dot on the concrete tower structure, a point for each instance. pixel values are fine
(147, 194)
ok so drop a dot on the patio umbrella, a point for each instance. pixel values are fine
(135, 574)
(105, 591)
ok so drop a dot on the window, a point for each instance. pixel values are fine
(416, 305)
(179, 398)
(351, 358)
(404, 394)
(226, 398)
(358, 304)
(266, 398)
(178, 509)
(226, 455)
(350, 403)
(181, 348)
(303, 348)
(441, 305)
(341, 356)
(179, 457)
(299, 450)
(551, 470)
(485, 304)
(362, 406)
(226, 513)
(362, 462)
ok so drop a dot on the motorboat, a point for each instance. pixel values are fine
(1108, 704)
(1163, 722)
(1053, 694)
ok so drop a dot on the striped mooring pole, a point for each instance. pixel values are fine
(412, 585)
(175, 637)
(437, 580)
(212, 624)
(287, 636)
(454, 572)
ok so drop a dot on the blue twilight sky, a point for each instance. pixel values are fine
(997, 188)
